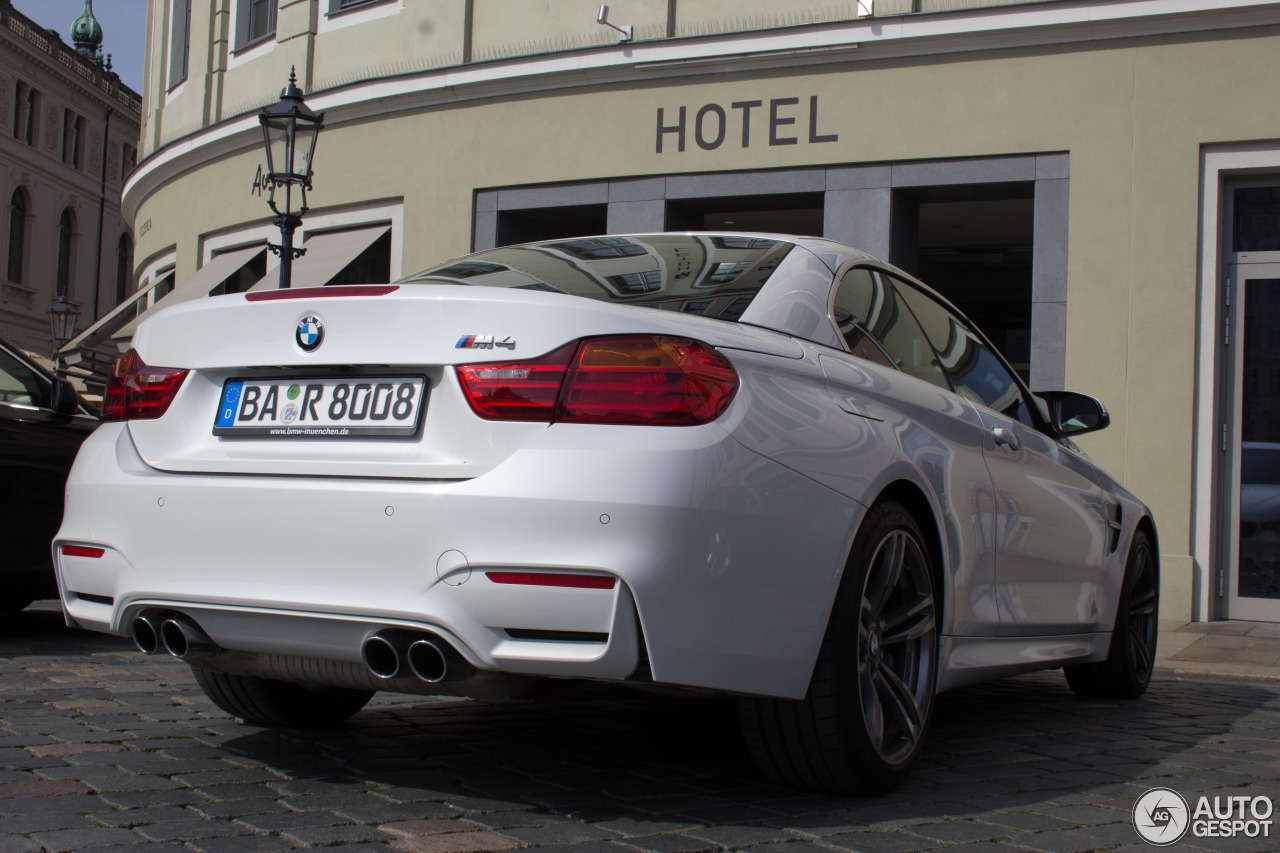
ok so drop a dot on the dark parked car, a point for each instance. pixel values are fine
(42, 423)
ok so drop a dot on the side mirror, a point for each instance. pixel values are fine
(64, 397)
(1074, 414)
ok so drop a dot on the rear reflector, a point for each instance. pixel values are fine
(312, 292)
(553, 579)
(136, 391)
(82, 551)
(632, 379)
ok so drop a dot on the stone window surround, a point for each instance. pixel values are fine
(858, 209)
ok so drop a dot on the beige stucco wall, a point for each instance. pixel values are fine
(1132, 114)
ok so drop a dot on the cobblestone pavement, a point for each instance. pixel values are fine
(102, 747)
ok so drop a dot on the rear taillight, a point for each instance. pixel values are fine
(633, 379)
(519, 391)
(136, 391)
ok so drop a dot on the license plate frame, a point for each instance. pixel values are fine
(238, 417)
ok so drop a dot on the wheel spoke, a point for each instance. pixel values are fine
(886, 569)
(1139, 654)
(872, 712)
(909, 622)
(1144, 604)
(901, 703)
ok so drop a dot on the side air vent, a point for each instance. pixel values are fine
(1116, 524)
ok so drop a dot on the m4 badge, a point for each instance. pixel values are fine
(484, 342)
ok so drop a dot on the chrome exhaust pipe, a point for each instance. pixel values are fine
(427, 661)
(145, 636)
(185, 640)
(381, 656)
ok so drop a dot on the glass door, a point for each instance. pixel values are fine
(1252, 441)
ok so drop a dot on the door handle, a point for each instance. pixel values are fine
(1005, 437)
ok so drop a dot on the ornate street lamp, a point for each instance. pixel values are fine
(289, 131)
(62, 327)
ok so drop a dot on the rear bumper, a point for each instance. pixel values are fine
(725, 562)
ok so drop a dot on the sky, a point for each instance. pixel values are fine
(124, 29)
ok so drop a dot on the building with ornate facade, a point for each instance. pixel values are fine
(68, 137)
(1091, 180)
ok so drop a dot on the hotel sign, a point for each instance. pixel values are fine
(780, 121)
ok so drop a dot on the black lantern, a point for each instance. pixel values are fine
(289, 131)
(62, 325)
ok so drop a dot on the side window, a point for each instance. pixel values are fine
(877, 326)
(19, 385)
(255, 21)
(974, 370)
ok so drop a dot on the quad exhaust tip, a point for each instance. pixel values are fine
(399, 653)
(381, 657)
(145, 636)
(185, 640)
(427, 661)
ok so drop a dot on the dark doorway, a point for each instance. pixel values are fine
(551, 223)
(973, 244)
(792, 213)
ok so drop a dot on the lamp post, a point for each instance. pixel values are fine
(289, 131)
(62, 326)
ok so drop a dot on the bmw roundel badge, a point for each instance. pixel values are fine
(310, 333)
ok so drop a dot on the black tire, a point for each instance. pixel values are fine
(861, 726)
(279, 704)
(1126, 672)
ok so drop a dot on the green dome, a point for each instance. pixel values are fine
(86, 33)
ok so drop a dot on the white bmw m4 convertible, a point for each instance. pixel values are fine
(771, 467)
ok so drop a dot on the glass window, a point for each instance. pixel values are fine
(255, 21)
(600, 248)
(1255, 223)
(24, 113)
(66, 233)
(469, 269)
(876, 326)
(72, 130)
(342, 5)
(17, 234)
(974, 369)
(21, 386)
(179, 41)
(724, 273)
(635, 283)
(655, 271)
(124, 268)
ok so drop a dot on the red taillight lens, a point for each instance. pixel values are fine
(516, 391)
(633, 379)
(136, 391)
(646, 379)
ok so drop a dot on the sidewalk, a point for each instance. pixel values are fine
(1239, 650)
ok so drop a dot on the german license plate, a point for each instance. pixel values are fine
(344, 407)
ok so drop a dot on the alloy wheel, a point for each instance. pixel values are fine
(897, 647)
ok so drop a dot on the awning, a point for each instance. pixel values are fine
(112, 321)
(327, 255)
(205, 279)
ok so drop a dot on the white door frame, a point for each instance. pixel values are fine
(1219, 165)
